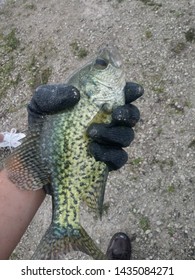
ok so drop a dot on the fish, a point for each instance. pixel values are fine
(56, 153)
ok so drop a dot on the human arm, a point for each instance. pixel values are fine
(17, 208)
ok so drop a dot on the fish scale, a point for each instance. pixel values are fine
(71, 175)
(56, 152)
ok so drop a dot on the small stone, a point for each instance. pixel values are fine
(159, 223)
(147, 231)
(158, 229)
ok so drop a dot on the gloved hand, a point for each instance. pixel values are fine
(49, 99)
(107, 139)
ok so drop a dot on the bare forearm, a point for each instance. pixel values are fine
(17, 208)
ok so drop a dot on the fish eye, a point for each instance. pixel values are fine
(101, 64)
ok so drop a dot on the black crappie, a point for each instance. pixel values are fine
(57, 153)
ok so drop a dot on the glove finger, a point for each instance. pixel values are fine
(111, 135)
(132, 92)
(127, 115)
(113, 157)
(53, 98)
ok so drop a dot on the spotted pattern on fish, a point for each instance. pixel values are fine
(56, 152)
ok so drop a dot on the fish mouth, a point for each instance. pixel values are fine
(110, 54)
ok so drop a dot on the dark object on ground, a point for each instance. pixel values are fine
(119, 247)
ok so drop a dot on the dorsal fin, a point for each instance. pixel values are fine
(25, 167)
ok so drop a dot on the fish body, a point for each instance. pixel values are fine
(57, 153)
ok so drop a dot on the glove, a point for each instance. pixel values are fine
(49, 99)
(109, 139)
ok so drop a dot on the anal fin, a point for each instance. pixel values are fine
(94, 194)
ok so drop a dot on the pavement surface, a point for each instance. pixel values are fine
(152, 197)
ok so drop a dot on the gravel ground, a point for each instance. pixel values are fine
(152, 198)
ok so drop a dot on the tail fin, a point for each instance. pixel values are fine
(51, 247)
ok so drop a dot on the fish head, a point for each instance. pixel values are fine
(108, 55)
(106, 79)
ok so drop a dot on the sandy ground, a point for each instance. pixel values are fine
(152, 198)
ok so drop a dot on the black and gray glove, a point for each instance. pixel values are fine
(107, 139)
(50, 99)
